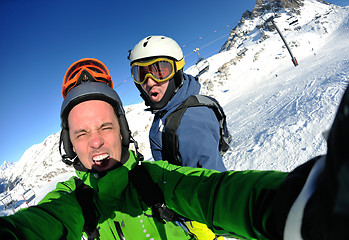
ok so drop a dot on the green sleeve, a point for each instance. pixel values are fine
(237, 203)
(57, 216)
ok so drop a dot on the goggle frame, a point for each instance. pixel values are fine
(176, 65)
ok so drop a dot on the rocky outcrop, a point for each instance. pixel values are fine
(237, 34)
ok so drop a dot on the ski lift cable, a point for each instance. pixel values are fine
(211, 53)
(126, 92)
(189, 54)
(215, 31)
(214, 41)
(125, 80)
(209, 43)
(129, 89)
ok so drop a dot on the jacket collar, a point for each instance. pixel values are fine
(91, 179)
(190, 86)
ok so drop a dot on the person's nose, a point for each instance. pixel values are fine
(96, 140)
(149, 82)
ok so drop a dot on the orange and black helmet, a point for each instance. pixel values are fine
(89, 79)
(94, 67)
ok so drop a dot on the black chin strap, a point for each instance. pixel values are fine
(138, 154)
(67, 157)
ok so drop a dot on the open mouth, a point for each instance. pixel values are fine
(155, 94)
(101, 160)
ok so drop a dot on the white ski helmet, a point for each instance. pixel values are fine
(159, 46)
(156, 46)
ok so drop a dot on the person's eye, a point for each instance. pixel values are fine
(80, 135)
(107, 128)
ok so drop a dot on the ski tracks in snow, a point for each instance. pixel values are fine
(278, 124)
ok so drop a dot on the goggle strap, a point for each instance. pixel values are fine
(85, 76)
(179, 64)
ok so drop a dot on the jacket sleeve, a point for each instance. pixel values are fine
(198, 139)
(57, 216)
(237, 203)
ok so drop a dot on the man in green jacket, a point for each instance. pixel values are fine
(95, 138)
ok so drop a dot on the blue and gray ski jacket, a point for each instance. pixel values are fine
(198, 132)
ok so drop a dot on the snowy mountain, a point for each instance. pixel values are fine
(276, 112)
(5, 166)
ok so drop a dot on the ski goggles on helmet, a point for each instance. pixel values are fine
(159, 69)
(95, 67)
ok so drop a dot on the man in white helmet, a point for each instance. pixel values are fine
(157, 69)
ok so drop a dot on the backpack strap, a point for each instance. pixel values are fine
(173, 120)
(84, 195)
(151, 194)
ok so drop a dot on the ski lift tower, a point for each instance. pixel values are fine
(197, 51)
(294, 60)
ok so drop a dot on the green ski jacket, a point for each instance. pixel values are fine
(233, 203)
(59, 215)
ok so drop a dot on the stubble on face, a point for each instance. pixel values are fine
(95, 134)
(155, 90)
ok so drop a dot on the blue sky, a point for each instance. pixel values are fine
(41, 39)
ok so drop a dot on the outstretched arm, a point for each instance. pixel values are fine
(57, 216)
(238, 203)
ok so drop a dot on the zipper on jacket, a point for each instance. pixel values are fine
(119, 231)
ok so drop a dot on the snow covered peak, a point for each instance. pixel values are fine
(291, 14)
(263, 6)
(6, 165)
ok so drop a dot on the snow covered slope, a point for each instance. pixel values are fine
(277, 112)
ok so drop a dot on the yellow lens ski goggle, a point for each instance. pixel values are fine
(159, 69)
